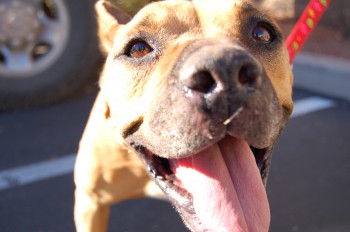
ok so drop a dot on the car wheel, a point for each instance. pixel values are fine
(48, 48)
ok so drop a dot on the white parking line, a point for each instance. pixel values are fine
(37, 171)
(57, 167)
(309, 105)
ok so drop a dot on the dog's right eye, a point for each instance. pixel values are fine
(139, 49)
(263, 33)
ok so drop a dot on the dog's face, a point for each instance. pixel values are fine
(198, 89)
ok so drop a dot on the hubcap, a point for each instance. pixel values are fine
(33, 33)
(19, 24)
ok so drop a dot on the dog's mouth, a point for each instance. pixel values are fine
(217, 187)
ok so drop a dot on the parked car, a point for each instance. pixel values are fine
(48, 49)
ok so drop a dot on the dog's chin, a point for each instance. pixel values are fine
(183, 180)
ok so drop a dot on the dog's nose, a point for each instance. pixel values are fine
(203, 81)
(213, 69)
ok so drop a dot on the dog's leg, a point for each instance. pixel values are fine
(95, 193)
(105, 173)
(89, 214)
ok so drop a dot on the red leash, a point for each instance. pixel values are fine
(306, 23)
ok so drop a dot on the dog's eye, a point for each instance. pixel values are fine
(262, 34)
(139, 49)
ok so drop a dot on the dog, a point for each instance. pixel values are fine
(193, 97)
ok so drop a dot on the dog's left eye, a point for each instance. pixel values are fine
(139, 49)
(262, 34)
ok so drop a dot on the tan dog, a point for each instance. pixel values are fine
(196, 93)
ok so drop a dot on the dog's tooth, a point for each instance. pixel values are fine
(149, 168)
(151, 171)
(160, 177)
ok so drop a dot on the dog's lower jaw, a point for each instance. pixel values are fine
(160, 171)
(164, 172)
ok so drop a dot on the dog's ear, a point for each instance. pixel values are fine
(109, 18)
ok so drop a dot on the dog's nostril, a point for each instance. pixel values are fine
(202, 81)
(248, 75)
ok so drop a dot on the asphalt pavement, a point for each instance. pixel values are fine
(308, 188)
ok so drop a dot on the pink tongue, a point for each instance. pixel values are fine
(228, 194)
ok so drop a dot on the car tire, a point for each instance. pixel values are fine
(76, 62)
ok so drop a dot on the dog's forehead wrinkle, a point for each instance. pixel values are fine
(227, 19)
(155, 16)
(191, 17)
(191, 22)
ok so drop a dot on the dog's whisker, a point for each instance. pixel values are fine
(235, 114)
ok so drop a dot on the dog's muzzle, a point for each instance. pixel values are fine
(217, 105)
